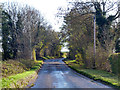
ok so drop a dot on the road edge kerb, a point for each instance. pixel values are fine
(92, 77)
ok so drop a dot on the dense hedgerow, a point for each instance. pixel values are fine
(12, 67)
(115, 63)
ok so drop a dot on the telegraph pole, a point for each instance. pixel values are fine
(94, 51)
(94, 42)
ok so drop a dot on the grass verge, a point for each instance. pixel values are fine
(97, 75)
(48, 57)
(45, 58)
(21, 80)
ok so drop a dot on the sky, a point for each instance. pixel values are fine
(48, 9)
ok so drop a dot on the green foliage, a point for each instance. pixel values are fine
(105, 77)
(9, 38)
(22, 78)
(37, 65)
(77, 31)
(28, 63)
(79, 59)
(115, 63)
(6, 35)
(45, 58)
(89, 57)
(18, 39)
(101, 58)
(48, 57)
(64, 54)
(12, 67)
(34, 54)
(6, 82)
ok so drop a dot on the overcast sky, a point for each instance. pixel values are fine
(48, 9)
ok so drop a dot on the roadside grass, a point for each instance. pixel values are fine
(45, 58)
(6, 82)
(48, 57)
(13, 79)
(37, 66)
(12, 67)
(98, 75)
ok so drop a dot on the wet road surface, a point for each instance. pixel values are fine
(55, 74)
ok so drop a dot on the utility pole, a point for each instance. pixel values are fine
(94, 42)
(94, 51)
(30, 46)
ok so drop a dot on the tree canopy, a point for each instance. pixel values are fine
(24, 30)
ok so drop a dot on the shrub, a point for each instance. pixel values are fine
(115, 63)
(12, 67)
(79, 59)
(48, 57)
(101, 58)
(28, 63)
(89, 57)
(102, 61)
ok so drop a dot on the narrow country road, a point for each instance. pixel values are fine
(55, 74)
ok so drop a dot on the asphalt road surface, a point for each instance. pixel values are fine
(55, 74)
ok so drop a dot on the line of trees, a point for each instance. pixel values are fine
(78, 32)
(25, 32)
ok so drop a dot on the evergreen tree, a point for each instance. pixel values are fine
(6, 37)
